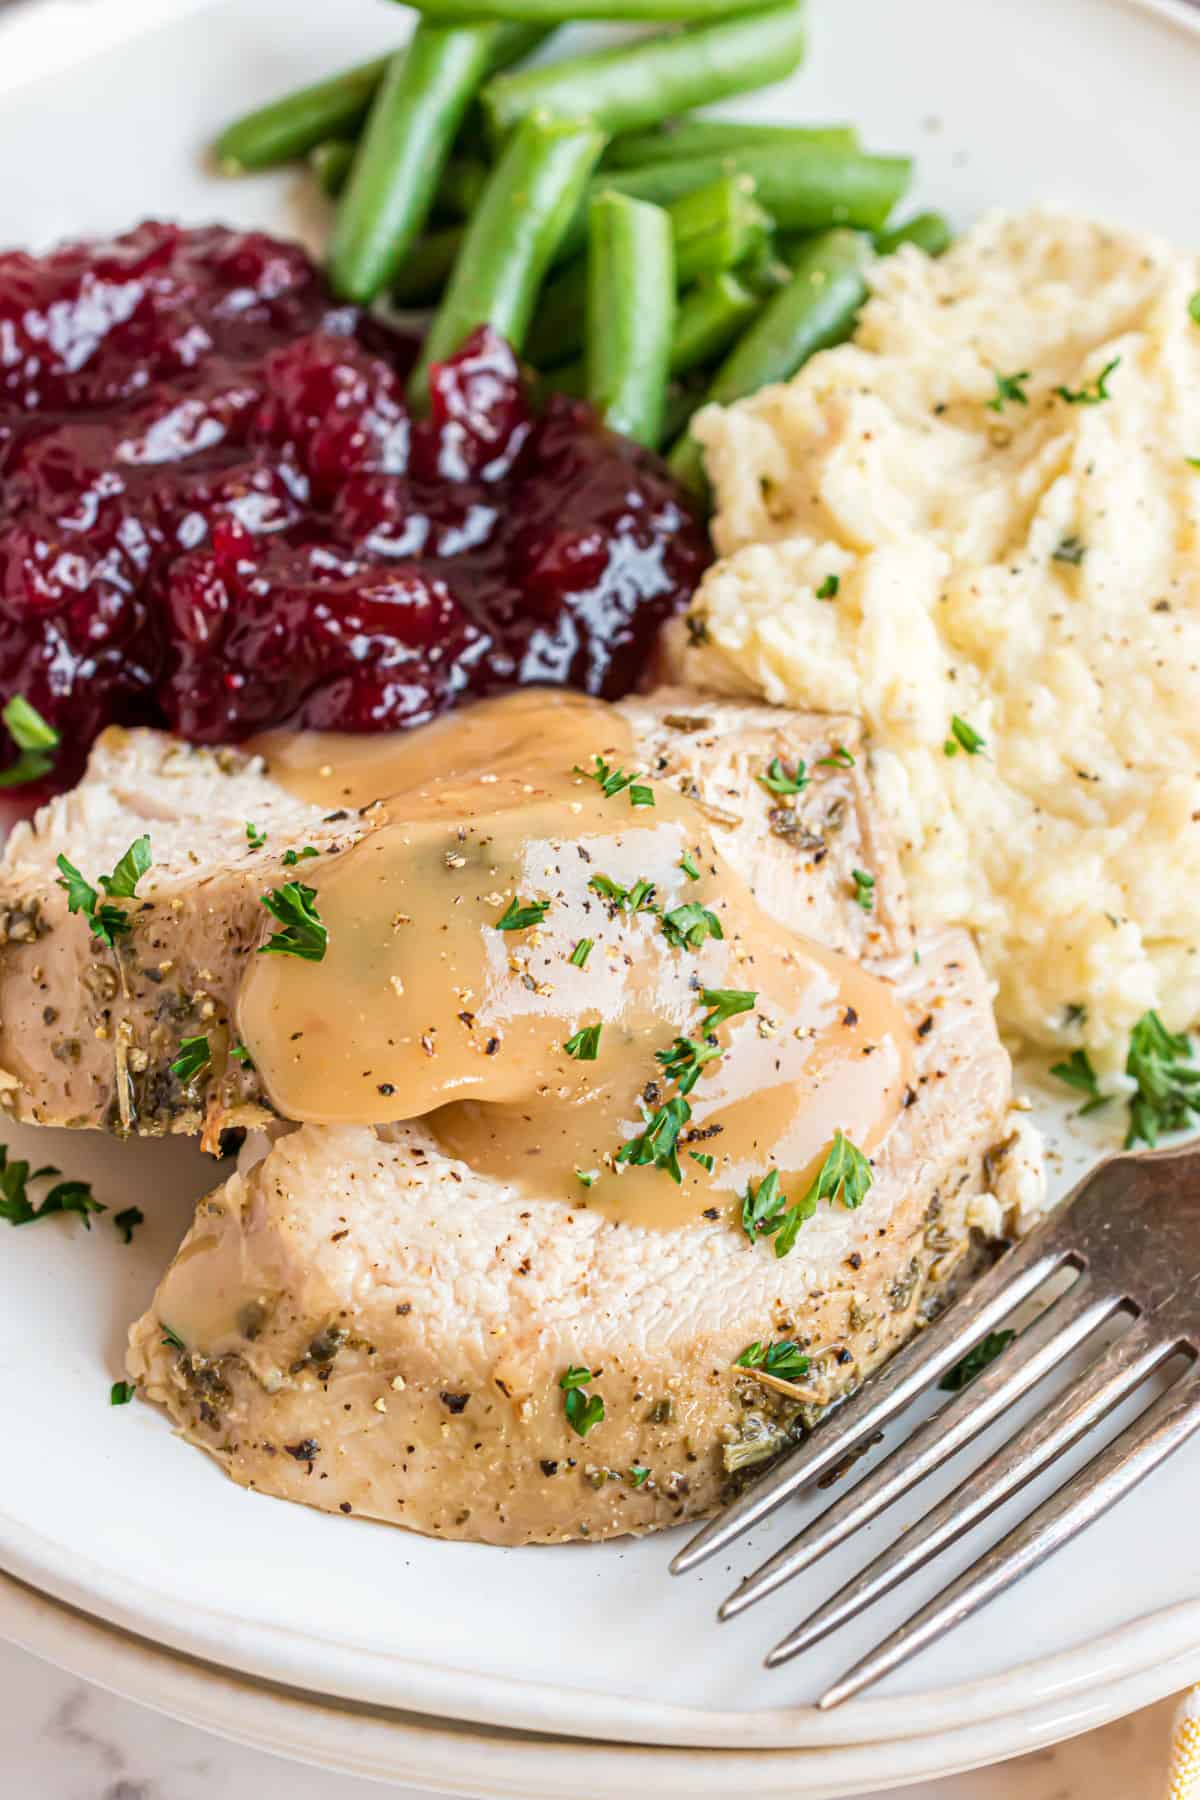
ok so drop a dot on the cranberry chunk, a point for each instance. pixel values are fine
(479, 412)
(267, 629)
(217, 514)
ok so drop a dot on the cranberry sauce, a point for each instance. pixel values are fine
(217, 514)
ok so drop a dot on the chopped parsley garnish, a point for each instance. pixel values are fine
(685, 1060)
(105, 921)
(707, 1163)
(845, 1175)
(1071, 550)
(81, 895)
(172, 1339)
(963, 737)
(778, 781)
(1194, 307)
(1160, 1062)
(1078, 1073)
(1010, 387)
(256, 837)
(864, 889)
(615, 781)
(840, 758)
(122, 883)
(638, 898)
(976, 1361)
(608, 889)
(583, 1410)
(789, 1230)
(724, 1003)
(587, 1177)
(1193, 462)
(516, 917)
(126, 1222)
(764, 1209)
(292, 857)
(687, 863)
(64, 1197)
(828, 589)
(639, 1474)
(121, 1393)
(686, 927)
(36, 741)
(194, 1055)
(303, 933)
(682, 1062)
(581, 952)
(657, 1143)
(782, 1359)
(1093, 394)
(240, 1054)
(584, 1046)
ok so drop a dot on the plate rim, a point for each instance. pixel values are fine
(389, 1745)
(346, 1673)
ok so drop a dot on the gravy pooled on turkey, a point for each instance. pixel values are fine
(141, 1036)
(544, 949)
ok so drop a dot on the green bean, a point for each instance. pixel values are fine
(764, 270)
(683, 399)
(557, 328)
(565, 12)
(529, 200)
(711, 316)
(569, 378)
(630, 314)
(816, 308)
(288, 128)
(461, 187)
(330, 163)
(458, 190)
(296, 123)
(637, 84)
(413, 122)
(929, 231)
(682, 139)
(715, 228)
(803, 190)
(707, 320)
(425, 269)
(513, 43)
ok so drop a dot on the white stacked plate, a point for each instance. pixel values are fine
(583, 1670)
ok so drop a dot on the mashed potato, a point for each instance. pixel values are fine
(1028, 566)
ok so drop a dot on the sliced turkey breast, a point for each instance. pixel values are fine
(89, 1033)
(364, 1324)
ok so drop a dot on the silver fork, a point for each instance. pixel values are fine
(1131, 1231)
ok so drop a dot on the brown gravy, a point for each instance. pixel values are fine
(423, 1006)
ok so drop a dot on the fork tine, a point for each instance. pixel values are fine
(1122, 1368)
(923, 1360)
(1140, 1448)
(1038, 1350)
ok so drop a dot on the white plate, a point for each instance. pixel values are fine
(1086, 103)
(473, 1760)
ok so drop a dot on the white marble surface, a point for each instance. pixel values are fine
(63, 1740)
